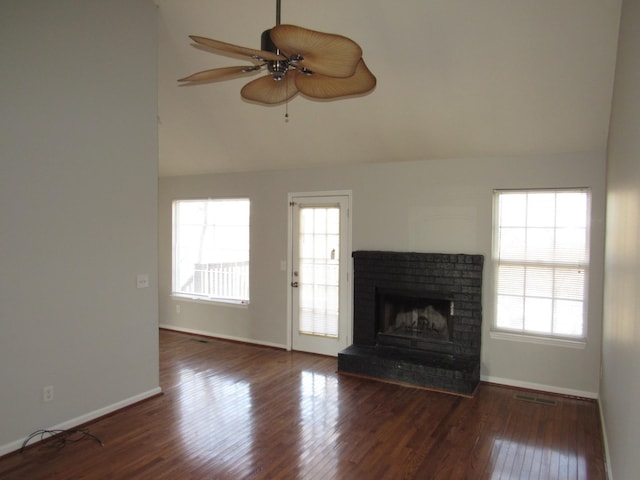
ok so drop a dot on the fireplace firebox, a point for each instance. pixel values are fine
(414, 319)
(417, 319)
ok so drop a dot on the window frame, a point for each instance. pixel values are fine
(549, 338)
(198, 297)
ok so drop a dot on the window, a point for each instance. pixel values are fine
(211, 249)
(319, 262)
(541, 258)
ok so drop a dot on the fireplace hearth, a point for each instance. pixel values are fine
(417, 319)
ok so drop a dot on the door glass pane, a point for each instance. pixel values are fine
(319, 270)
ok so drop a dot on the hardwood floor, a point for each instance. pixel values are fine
(232, 411)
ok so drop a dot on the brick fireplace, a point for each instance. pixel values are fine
(417, 319)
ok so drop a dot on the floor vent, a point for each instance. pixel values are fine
(534, 399)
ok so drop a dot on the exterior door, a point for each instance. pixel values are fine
(320, 276)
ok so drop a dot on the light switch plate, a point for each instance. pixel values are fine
(142, 280)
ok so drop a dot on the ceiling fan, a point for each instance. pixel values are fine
(318, 65)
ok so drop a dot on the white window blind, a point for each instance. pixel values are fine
(541, 254)
(211, 249)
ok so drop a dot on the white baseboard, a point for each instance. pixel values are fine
(204, 333)
(607, 457)
(74, 422)
(487, 378)
(540, 387)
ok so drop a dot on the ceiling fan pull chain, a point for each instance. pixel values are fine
(286, 106)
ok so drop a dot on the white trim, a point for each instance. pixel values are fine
(289, 271)
(528, 338)
(538, 386)
(607, 455)
(586, 265)
(348, 262)
(179, 297)
(88, 417)
(205, 333)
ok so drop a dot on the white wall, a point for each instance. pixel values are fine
(620, 389)
(78, 210)
(427, 206)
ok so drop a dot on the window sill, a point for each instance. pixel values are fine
(579, 344)
(211, 301)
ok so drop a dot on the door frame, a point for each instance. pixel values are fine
(349, 261)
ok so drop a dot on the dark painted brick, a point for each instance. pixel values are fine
(454, 276)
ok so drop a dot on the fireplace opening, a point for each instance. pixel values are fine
(414, 319)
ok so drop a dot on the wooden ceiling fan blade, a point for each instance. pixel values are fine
(268, 91)
(238, 50)
(324, 53)
(219, 74)
(324, 87)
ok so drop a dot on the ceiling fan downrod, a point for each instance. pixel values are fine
(277, 68)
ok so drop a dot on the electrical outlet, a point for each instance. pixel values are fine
(47, 393)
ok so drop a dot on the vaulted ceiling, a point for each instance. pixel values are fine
(455, 78)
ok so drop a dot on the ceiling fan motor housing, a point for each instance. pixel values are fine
(266, 43)
(277, 68)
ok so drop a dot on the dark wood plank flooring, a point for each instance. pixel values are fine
(233, 411)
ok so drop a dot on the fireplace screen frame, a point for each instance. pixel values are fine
(425, 333)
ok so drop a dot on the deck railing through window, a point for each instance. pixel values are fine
(220, 280)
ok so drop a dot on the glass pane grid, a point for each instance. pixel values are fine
(319, 271)
(542, 262)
